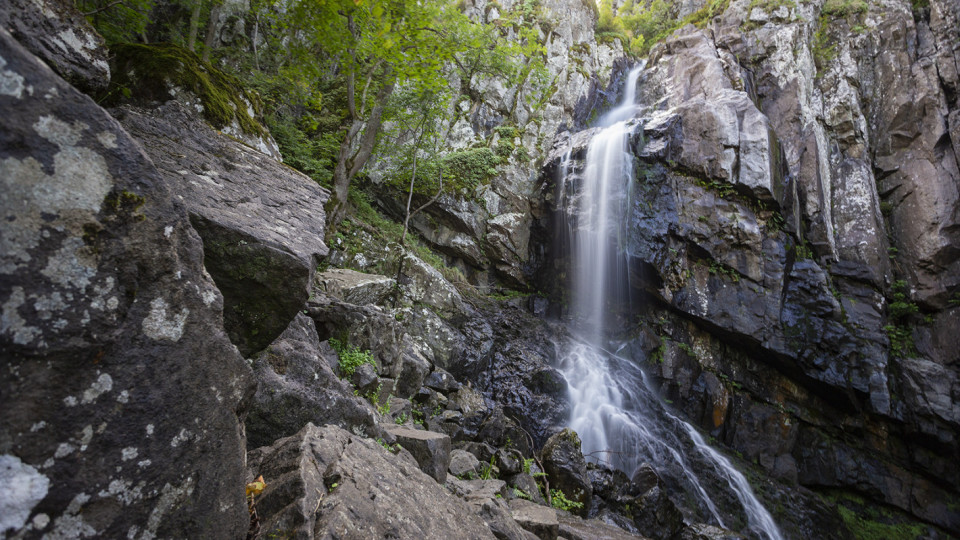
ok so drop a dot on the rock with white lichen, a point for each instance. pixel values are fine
(119, 390)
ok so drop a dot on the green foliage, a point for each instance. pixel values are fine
(393, 448)
(462, 172)
(487, 469)
(117, 22)
(521, 494)
(718, 268)
(351, 357)
(149, 70)
(400, 420)
(823, 48)
(899, 330)
(559, 501)
(527, 463)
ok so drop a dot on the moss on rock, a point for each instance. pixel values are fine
(150, 72)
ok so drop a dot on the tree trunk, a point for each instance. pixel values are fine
(349, 163)
(194, 25)
(211, 32)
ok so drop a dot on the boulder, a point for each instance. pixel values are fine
(355, 287)
(296, 386)
(431, 450)
(463, 464)
(540, 520)
(327, 483)
(262, 223)
(566, 468)
(60, 36)
(121, 393)
(527, 484)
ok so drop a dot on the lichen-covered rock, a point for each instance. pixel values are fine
(324, 482)
(60, 36)
(297, 385)
(262, 223)
(120, 390)
(430, 449)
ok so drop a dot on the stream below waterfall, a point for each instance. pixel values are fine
(620, 420)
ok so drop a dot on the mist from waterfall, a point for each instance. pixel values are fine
(620, 420)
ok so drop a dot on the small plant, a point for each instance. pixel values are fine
(351, 358)
(560, 501)
(487, 472)
(527, 463)
(384, 408)
(400, 420)
(521, 494)
(393, 448)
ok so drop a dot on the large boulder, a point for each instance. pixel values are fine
(262, 223)
(567, 469)
(325, 482)
(121, 392)
(297, 385)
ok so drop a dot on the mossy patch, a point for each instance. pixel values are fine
(150, 71)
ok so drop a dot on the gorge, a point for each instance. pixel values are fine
(701, 281)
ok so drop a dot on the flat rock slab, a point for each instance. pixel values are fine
(430, 449)
(325, 482)
(355, 287)
(575, 528)
(540, 520)
(262, 223)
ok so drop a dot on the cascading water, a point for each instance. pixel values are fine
(620, 420)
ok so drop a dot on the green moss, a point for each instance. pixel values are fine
(870, 522)
(842, 8)
(148, 72)
(124, 206)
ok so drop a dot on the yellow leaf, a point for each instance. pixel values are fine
(255, 487)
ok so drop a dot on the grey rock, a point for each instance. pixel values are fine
(325, 482)
(701, 531)
(59, 35)
(540, 520)
(486, 497)
(431, 450)
(575, 528)
(261, 223)
(423, 283)
(296, 386)
(355, 287)
(108, 318)
(463, 463)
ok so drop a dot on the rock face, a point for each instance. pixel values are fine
(799, 269)
(262, 224)
(108, 318)
(325, 482)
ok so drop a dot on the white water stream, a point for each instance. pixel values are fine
(620, 420)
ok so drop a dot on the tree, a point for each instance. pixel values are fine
(376, 46)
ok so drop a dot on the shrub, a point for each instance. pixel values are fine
(351, 358)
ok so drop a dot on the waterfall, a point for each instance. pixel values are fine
(620, 420)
